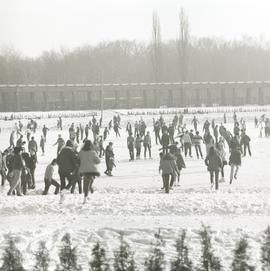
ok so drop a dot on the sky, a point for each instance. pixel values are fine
(34, 26)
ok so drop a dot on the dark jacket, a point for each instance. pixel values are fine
(67, 160)
(165, 140)
(17, 162)
(213, 162)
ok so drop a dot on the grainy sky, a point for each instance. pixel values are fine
(32, 26)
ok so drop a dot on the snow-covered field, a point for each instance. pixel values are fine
(132, 201)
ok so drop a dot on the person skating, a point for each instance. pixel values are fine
(179, 162)
(48, 178)
(206, 126)
(67, 162)
(105, 133)
(213, 163)
(222, 153)
(147, 144)
(12, 139)
(42, 145)
(88, 167)
(60, 144)
(195, 123)
(109, 158)
(235, 157)
(245, 140)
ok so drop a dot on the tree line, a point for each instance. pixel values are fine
(124, 257)
(186, 58)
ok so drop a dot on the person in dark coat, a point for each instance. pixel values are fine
(245, 140)
(67, 163)
(235, 157)
(214, 164)
(165, 141)
(109, 158)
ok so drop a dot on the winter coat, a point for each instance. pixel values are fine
(245, 140)
(235, 157)
(165, 140)
(147, 141)
(180, 161)
(130, 141)
(186, 138)
(138, 142)
(197, 140)
(213, 162)
(17, 162)
(88, 161)
(67, 160)
(109, 153)
(208, 139)
(168, 164)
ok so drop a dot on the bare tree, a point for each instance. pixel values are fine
(183, 45)
(156, 48)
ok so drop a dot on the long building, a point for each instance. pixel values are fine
(47, 97)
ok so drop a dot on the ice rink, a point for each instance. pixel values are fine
(132, 200)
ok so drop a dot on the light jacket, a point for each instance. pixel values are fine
(88, 161)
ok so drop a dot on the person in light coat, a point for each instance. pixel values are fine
(88, 167)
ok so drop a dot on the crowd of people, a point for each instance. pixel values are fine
(79, 167)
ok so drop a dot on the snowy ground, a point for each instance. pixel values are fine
(133, 202)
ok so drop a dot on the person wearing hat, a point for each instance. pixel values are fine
(17, 167)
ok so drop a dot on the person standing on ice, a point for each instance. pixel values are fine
(138, 146)
(44, 131)
(157, 131)
(109, 158)
(17, 167)
(147, 144)
(165, 141)
(130, 146)
(88, 167)
(213, 163)
(197, 139)
(187, 143)
(86, 131)
(48, 178)
(169, 170)
(32, 145)
(208, 141)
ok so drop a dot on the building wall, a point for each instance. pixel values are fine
(111, 96)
